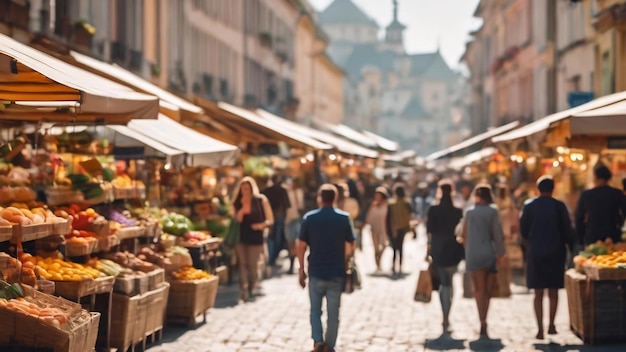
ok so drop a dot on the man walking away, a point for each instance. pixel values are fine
(600, 211)
(329, 235)
(279, 200)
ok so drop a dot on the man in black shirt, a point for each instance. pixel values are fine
(600, 211)
(279, 200)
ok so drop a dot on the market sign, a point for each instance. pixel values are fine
(575, 99)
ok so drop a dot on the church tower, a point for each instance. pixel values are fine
(394, 33)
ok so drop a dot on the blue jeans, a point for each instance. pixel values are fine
(276, 240)
(331, 289)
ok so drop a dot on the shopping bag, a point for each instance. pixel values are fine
(233, 235)
(353, 277)
(501, 284)
(424, 288)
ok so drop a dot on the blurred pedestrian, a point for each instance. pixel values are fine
(254, 214)
(293, 218)
(329, 235)
(484, 249)
(279, 201)
(377, 219)
(546, 229)
(399, 216)
(600, 212)
(445, 251)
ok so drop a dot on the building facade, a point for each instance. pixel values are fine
(239, 51)
(410, 98)
(518, 77)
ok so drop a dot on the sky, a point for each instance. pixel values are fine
(430, 23)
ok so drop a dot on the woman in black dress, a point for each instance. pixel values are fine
(445, 251)
(546, 230)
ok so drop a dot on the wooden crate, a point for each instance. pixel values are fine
(16, 328)
(104, 284)
(33, 232)
(188, 299)
(6, 233)
(597, 309)
(125, 285)
(602, 274)
(130, 232)
(134, 318)
(155, 279)
(61, 228)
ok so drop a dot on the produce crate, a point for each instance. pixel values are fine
(33, 232)
(105, 243)
(6, 233)
(63, 196)
(188, 299)
(155, 279)
(142, 283)
(76, 250)
(104, 284)
(101, 228)
(126, 193)
(61, 228)
(129, 317)
(125, 285)
(16, 328)
(201, 251)
(130, 232)
(597, 309)
(74, 290)
(600, 274)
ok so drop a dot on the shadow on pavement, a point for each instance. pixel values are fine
(227, 296)
(486, 345)
(553, 347)
(445, 342)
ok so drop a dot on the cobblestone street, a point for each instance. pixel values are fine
(380, 317)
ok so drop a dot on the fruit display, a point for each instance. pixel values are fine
(176, 224)
(16, 194)
(109, 267)
(82, 219)
(29, 306)
(122, 181)
(131, 261)
(602, 254)
(190, 273)
(196, 236)
(83, 184)
(59, 270)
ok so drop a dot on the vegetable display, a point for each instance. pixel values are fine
(176, 224)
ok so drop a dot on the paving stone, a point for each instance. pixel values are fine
(380, 317)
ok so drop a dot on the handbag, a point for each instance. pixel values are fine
(353, 278)
(233, 235)
(424, 288)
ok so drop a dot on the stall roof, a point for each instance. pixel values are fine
(461, 162)
(27, 74)
(472, 141)
(347, 133)
(383, 142)
(342, 145)
(143, 139)
(205, 150)
(121, 75)
(277, 129)
(544, 123)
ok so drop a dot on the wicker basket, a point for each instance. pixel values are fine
(74, 290)
(105, 243)
(156, 302)
(600, 274)
(101, 228)
(188, 299)
(76, 250)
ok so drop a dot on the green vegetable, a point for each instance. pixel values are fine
(176, 224)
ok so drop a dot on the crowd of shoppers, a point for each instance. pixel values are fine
(465, 223)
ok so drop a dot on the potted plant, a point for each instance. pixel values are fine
(83, 32)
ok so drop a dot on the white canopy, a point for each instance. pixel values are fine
(469, 159)
(342, 145)
(382, 142)
(543, 124)
(348, 133)
(204, 150)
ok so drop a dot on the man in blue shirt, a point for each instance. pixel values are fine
(329, 234)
